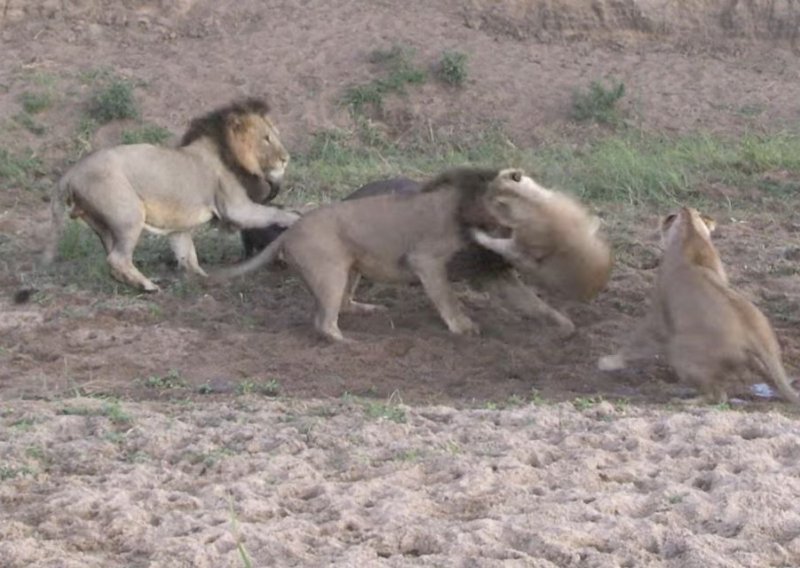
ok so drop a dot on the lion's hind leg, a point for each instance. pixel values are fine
(125, 227)
(183, 247)
(349, 305)
(326, 276)
(697, 366)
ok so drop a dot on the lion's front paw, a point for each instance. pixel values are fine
(286, 218)
(481, 237)
(611, 362)
(464, 326)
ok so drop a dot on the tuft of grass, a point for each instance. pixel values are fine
(585, 402)
(385, 411)
(78, 242)
(400, 72)
(113, 101)
(598, 103)
(34, 103)
(452, 68)
(172, 380)
(146, 134)
(17, 169)
(29, 123)
(269, 388)
(110, 409)
(23, 424)
(10, 472)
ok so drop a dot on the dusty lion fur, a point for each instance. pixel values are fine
(226, 159)
(712, 334)
(391, 238)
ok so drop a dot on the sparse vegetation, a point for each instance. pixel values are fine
(268, 388)
(146, 134)
(172, 380)
(598, 103)
(111, 409)
(632, 167)
(400, 72)
(385, 411)
(29, 123)
(453, 68)
(18, 169)
(12, 472)
(586, 402)
(113, 100)
(34, 103)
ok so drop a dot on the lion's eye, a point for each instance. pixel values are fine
(516, 176)
(266, 138)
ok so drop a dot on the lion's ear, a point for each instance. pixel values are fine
(709, 222)
(667, 222)
(241, 141)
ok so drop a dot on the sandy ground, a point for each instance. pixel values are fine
(205, 425)
(337, 483)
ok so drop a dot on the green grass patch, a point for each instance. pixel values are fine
(29, 123)
(146, 134)
(12, 472)
(113, 100)
(399, 70)
(19, 169)
(111, 409)
(171, 380)
(269, 388)
(598, 103)
(35, 102)
(452, 68)
(630, 167)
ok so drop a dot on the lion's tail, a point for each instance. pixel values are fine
(58, 211)
(777, 374)
(261, 259)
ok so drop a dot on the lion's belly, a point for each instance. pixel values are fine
(384, 271)
(163, 217)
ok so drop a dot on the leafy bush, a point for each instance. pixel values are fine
(113, 101)
(146, 134)
(453, 68)
(598, 103)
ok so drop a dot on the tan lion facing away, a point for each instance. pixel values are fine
(226, 159)
(711, 334)
(400, 238)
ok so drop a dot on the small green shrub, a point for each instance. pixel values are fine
(453, 68)
(34, 103)
(146, 134)
(401, 71)
(598, 103)
(29, 123)
(18, 170)
(113, 101)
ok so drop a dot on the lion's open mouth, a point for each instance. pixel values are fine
(274, 189)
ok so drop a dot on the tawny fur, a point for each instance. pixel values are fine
(554, 239)
(227, 156)
(710, 333)
(388, 238)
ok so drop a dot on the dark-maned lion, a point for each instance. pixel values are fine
(226, 159)
(710, 332)
(390, 238)
(254, 240)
